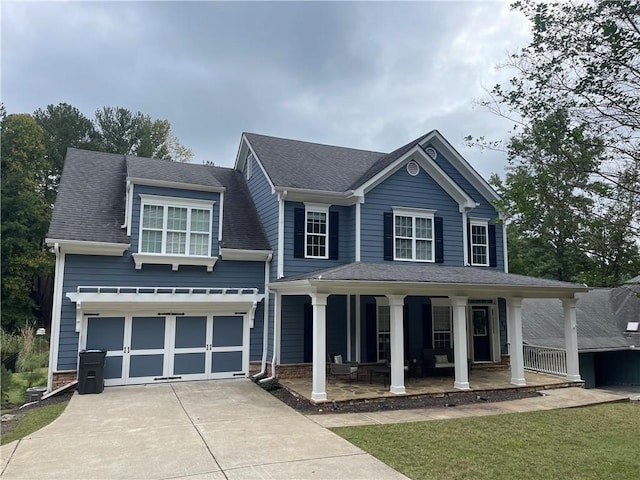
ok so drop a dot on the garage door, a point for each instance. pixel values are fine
(151, 349)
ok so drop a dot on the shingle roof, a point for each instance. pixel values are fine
(427, 273)
(601, 318)
(90, 201)
(313, 166)
(168, 171)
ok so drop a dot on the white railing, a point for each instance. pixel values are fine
(167, 290)
(545, 359)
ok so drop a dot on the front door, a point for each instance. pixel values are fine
(481, 334)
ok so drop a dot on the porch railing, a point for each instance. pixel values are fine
(545, 359)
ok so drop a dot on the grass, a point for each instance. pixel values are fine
(34, 420)
(20, 382)
(598, 442)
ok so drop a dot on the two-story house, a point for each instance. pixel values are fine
(185, 271)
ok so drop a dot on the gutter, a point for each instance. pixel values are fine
(265, 318)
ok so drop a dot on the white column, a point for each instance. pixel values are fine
(319, 387)
(358, 343)
(516, 357)
(571, 339)
(349, 328)
(396, 310)
(459, 306)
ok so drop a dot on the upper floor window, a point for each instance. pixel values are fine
(172, 226)
(413, 235)
(479, 246)
(316, 232)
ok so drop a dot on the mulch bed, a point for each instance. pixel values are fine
(8, 425)
(305, 406)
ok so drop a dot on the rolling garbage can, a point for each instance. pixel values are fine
(91, 371)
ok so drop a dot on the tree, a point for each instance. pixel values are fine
(25, 217)
(64, 126)
(122, 131)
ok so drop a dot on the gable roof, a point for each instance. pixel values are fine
(601, 318)
(91, 197)
(312, 166)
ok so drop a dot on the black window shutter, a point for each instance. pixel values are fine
(493, 254)
(298, 233)
(388, 236)
(334, 244)
(469, 249)
(437, 222)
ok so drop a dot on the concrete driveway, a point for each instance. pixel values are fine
(227, 429)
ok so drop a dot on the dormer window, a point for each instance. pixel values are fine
(172, 226)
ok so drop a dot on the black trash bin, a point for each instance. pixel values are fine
(91, 371)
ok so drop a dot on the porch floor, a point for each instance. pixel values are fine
(480, 379)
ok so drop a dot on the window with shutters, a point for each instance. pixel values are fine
(413, 235)
(316, 232)
(479, 246)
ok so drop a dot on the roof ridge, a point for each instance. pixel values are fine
(315, 143)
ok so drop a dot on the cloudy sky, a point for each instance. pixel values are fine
(364, 75)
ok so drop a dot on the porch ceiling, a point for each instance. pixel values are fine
(422, 279)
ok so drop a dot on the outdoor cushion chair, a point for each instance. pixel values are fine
(338, 367)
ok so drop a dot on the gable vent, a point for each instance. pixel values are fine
(431, 152)
(413, 168)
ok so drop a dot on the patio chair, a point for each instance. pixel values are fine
(338, 367)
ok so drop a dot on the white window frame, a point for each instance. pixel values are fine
(483, 224)
(382, 305)
(415, 213)
(165, 203)
(315, 208)
(443, 303)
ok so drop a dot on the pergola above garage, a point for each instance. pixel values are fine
(397, 280)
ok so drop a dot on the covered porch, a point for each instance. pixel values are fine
(394, 283)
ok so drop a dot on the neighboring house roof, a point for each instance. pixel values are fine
(91, 196)
(313, 166)
(427, 274)
(601, 317)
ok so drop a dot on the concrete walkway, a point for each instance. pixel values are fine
(215, 430)
(551, 399)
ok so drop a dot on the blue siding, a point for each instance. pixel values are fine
(617, 368)
(403, 190)
(178, 193)
(484, 210)
(292, 339)
(266, 204)
(89, 270)
(296, 266)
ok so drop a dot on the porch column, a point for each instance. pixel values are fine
(396, 310)
(459, 307)
(319, 386)
(571, 339)
(516, 356)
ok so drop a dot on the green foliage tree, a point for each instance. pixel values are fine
(25, 217)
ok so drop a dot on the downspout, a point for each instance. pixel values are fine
(276, 315)
(465, 238)
(56, 313)
(281, 196)
(505, 251)
(265, 318)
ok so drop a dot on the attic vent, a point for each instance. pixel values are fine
(431, 152)
(413, 168)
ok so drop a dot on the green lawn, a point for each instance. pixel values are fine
(596, 442)
(34, 420)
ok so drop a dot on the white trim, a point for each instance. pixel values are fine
(280, 259)
(465, 240)
(479, 222)
(245, 255)
(505, 251)
(239, 164)
(460, 164)
(81, 247)
(128, 207)
(178, 185)
(430, 167)
(316, 208)
(56, 314)
(220, 217)
(175, 201)
(174, 260)
(358, 234)
(306, 195)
